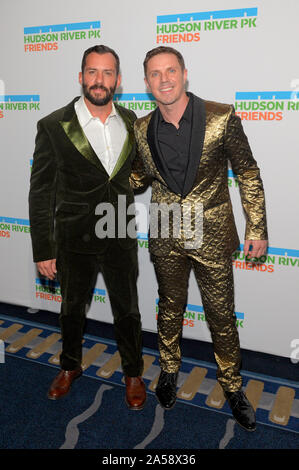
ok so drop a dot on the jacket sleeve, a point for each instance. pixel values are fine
(42, 197)
(139, 180)
(251, 186)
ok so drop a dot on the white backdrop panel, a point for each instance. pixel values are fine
(251, 51)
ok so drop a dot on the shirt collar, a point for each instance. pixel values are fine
(85, 116)
(187, 116)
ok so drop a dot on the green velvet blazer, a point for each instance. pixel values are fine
(67, 184)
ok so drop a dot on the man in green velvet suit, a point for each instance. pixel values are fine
(82, 159)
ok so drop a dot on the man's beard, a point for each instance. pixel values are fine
(99, 101)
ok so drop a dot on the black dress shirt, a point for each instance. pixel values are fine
(175, 143)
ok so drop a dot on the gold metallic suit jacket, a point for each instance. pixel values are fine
(217, 137)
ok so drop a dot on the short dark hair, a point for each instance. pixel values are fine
(100, 49)
(163, 50)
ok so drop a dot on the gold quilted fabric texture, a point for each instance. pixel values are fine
(212, 264)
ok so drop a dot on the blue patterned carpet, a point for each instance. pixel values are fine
(94, 415)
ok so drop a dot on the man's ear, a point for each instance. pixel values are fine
(185, 75)
(146, 83)
(118, 82)
(80, 78)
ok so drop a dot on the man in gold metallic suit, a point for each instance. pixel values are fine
(184, 148)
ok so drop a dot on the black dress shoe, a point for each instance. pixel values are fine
(166, 389)
(242, 410)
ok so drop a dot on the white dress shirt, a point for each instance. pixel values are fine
(107, 139)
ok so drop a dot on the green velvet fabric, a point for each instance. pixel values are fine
(68, 182)
(77, 273)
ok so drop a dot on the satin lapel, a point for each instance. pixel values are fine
(126, 150)
(152, 138)
(196, 145)
(128, 144)
(76, 135)
(143, 129)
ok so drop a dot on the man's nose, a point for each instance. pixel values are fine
(164, 76)
(99, 77)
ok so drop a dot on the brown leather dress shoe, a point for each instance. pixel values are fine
(135, 393)
(62, 383)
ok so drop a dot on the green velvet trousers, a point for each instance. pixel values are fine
(77, 275)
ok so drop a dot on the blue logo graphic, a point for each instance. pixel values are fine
(55, 284)
(208, 15)
(142, 236)
(266, 95)
(199, 309)
(265, 105)
(99, 292)
(20, 102)
(278, 251)
(53, 28)
(16, 221)
(46, 282)
(133, 97)
(19, 98)
(136, 101)
(47, 37)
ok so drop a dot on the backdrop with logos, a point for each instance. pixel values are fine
(242, 53)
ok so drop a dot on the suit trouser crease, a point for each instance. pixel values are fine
(215, 282)
(77, 274)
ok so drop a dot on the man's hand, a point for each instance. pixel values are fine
(259, 248)
(47, 268)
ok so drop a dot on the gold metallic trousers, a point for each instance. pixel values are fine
(215, 281)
